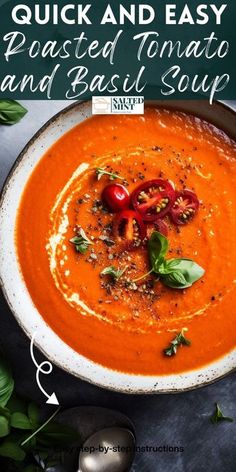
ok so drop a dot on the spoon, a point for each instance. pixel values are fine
(88, 420)
(110, 449)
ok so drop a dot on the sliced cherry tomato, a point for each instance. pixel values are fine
(116, 197)
(158, 225)
(153, 199)
(162, 227)
(128, 226)
(184, 208)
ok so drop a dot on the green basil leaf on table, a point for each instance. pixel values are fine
(57, 434)
(11, 112)
(17, 404)
(6, 383)
(219, 416)
(5, 412)
(34, 415)
(20, 421)
(32, 468)
(12, 450)
(4, 426)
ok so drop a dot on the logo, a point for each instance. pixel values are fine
(118, 105)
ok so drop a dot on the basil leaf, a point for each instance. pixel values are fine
(4, 426)
(57, 435)
(6, 383)
(180, 273)
(219, 416)
(11, 112)
(187, 266)
(113, 272)
(32, 468)
(20, 421)
(157, 248)
(33, 413)
(17, 404)
(176, 280)
(12, 451)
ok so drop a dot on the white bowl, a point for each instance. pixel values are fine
(17, 295)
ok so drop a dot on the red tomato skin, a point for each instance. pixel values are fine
(193, 203)
(116, 197)
(127, 216)
(161, 226)
(168, 192)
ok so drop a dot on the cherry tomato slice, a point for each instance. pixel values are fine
(153, 199)
(128, 226)
(116, 197)
(158, 225)
(162, 227)
(184, 208)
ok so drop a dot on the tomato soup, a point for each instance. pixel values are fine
(86, 280)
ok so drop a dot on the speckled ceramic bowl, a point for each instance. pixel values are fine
(16, 292)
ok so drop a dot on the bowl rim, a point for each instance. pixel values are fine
(211, 371)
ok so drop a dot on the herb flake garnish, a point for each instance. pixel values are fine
(100, 171)
(175, 273)
(179, 340)
(218, 416)
(81, 242)
(116, 274)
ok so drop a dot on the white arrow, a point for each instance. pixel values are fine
(43, 368)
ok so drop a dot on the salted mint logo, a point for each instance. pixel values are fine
(118, 105)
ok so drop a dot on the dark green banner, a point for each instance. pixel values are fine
(159, 49)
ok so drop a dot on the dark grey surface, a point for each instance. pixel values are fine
(170, 420)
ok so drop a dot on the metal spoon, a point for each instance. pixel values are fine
(111, 449)
(88, 420)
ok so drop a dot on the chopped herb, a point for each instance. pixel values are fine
(81, 242)
(102, 171)
(113, 272)
(218, 416)
(108, 241)
(175, 273)
(179, 340)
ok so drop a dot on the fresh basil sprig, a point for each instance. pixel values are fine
(175, 273)
(179, 340)
(81, 242)
(219, 416)
(100, 171)
(116, 274)
(11, 112)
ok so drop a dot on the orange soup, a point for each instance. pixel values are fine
(85, 276)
